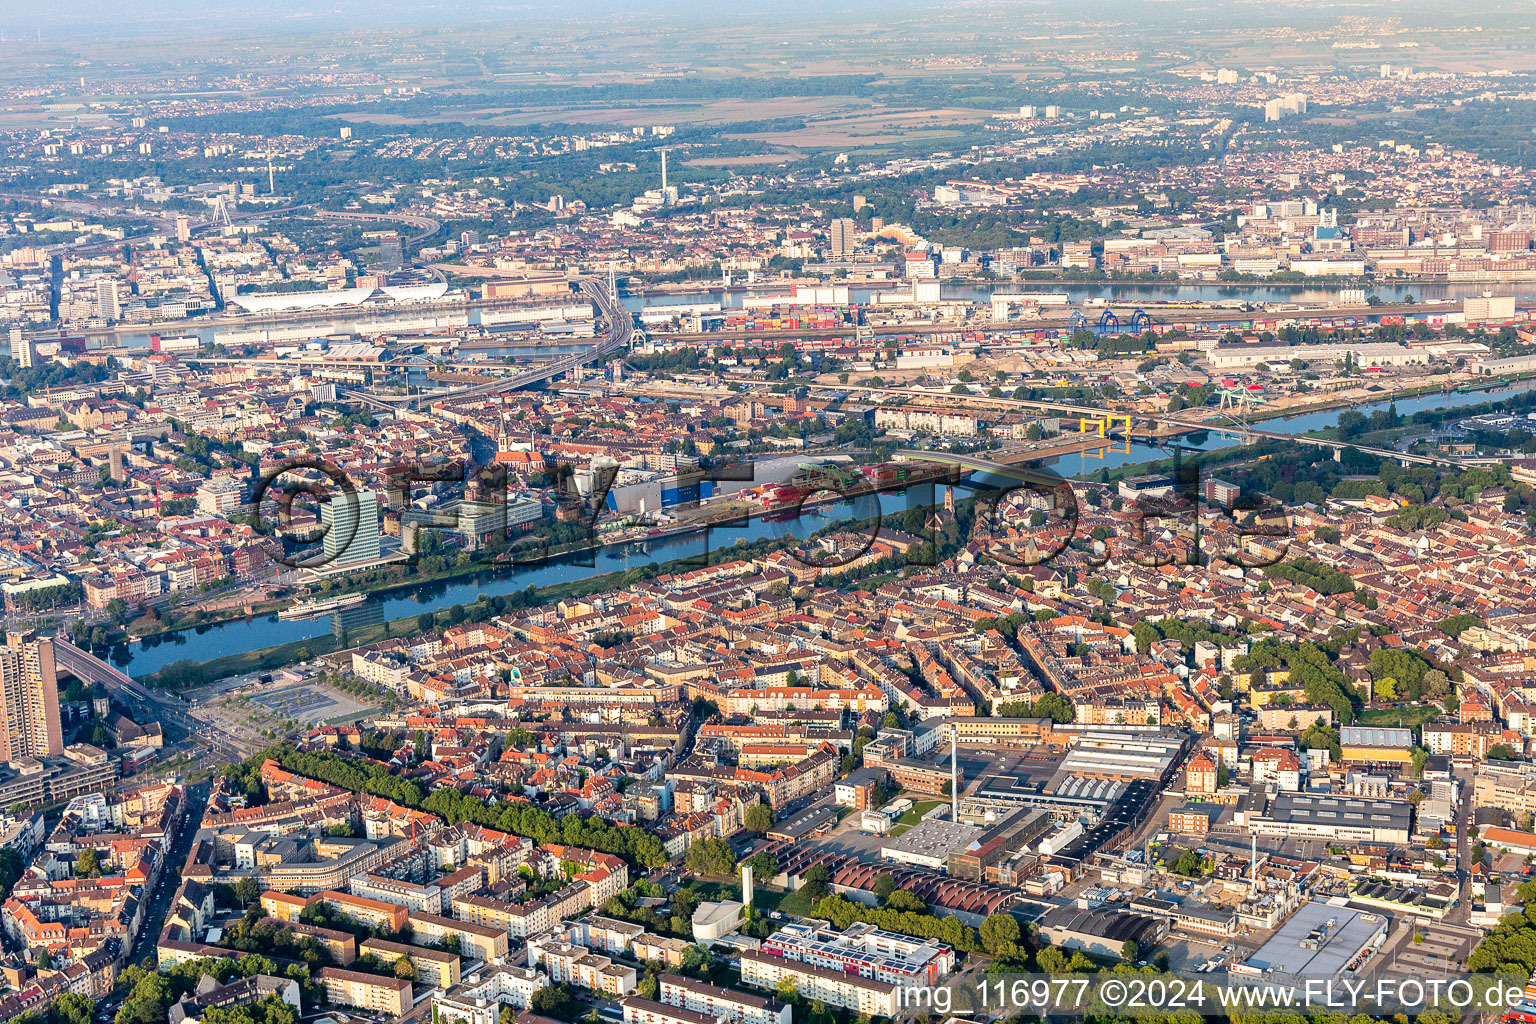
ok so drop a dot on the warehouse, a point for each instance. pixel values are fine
(1232, 357)
(1319, 941)
(929, 843)
(1123, 756)
(1101, 932)
(1335, 818)
(1375, 745)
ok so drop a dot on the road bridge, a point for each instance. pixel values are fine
(618, 329)
(88, 668)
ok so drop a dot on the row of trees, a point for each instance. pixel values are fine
(1306, 572)
(904, 914)
(634, 844)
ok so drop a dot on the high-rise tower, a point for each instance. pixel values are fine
(29, 698)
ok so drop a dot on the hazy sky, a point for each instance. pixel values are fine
(65, 19)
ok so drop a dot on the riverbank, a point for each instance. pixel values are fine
(1333, 402)
(264, 659)
(725, 518)
(168, 629)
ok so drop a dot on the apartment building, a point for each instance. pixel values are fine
(663, 949)
(781, 698)
(1467, 738)
(570, 964)
(607, 934)
(1511, 786)
(365, 991)
(478, 941)
(433, 967)
(280, 906)
(29, 698)
(481, 995)
(864, 950)
(862, 995)
(646, 1011)
(486, 911)
(426, 898)
(521, 920)
(373, 913)
(341, 945)
(721, 1003)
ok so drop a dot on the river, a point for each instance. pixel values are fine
(212, 641)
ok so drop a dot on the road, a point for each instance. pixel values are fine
(169, 878)
(147, 705)
(618, 326)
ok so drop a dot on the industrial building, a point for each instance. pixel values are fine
(929, 843)
(1364, 744)
(1102, 932)
(1334, 818)
(1119, 755)
(1016, 832)
(1319, 941)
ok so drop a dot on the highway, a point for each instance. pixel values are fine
(618, 326)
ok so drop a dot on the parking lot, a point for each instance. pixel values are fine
(311, 704)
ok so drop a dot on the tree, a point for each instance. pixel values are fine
(552, 1001)
(711, 857)
(764, 865)
(117, 611)
(88, 864)
(884, 885)
(247, 891)
(786, 990)
(1129, 950)
(759, 818)
(696, 958)
(404, 969)
(1188, 864)
(816, 882)
(71, 1008)
(999, 931)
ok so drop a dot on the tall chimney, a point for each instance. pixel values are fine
(954, 773)
(663, 170)
(1253, 868)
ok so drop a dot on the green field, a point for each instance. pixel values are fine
(1407, 718)
(915, 815)
(795, 904)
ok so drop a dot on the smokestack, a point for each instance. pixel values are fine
(663, 170)
(1253, 868)
(954, 773)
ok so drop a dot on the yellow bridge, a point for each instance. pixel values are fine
(1105, 425)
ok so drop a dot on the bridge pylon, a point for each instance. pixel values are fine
(1105, 425)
